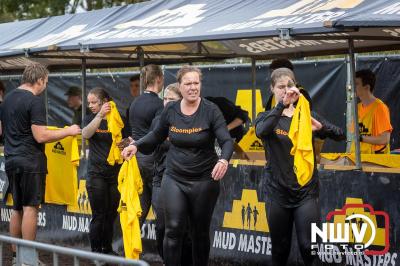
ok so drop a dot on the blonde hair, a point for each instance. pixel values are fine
(174, 87)
(33, 73)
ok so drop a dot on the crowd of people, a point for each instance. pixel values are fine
(174, 141)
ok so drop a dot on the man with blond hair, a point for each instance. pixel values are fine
(25, 132)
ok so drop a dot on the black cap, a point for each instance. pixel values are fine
(74, 91)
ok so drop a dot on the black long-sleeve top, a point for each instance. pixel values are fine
(191, 155)
(142, 112)
(160, 155)
(230, 112)
(273, 128)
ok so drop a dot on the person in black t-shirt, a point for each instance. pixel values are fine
(141, 113)
(290, 202)
(134, 89)
(234, 116)
(102, 178)
(190, 187)
(74, 102)
(25, 132)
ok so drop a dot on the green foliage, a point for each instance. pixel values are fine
(11, 10)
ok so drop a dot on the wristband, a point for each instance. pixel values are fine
(225, 162)
(361, 138)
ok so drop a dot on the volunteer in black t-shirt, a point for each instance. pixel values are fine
(102, 178)
(141, 113)
(190, 187)
(171, 94)
(25, 132)
(234, 116)
(290, 202)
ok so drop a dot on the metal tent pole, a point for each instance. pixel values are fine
(354, 111)
(83, 147)
(253, 90)
(140, 56)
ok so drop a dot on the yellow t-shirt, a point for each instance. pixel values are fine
(62, 177)
(130, 185)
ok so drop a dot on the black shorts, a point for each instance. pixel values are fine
(27, 189)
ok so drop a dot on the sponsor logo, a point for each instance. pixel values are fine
(300, 12)
(247, 213)
(59, 149)
(303, 7)
(81, 205)
(185, 130)
(256, 146)
(148, 230)
(184, 16)
(245, 226)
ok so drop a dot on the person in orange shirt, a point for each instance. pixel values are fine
(373, 116)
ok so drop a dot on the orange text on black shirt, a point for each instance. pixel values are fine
(186, 130)
(102, 131)
(281, 132)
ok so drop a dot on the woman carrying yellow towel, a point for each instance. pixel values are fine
(291, 175)
(102, 178)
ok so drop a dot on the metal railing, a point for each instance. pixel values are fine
(27, 253)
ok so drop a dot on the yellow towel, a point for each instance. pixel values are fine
(300, 133)
(115, 125)
(130, 186)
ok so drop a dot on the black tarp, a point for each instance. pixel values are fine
(190, 30)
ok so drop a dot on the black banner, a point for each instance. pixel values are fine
(239, 230)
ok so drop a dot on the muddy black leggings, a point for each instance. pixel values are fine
(281, 222)
(104, 199)
(158, 207)
(183, 200)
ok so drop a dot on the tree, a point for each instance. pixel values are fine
(11, 10)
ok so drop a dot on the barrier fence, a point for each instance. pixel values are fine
(27, 253)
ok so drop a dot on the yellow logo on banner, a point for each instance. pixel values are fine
(9, 201)
(244, 100)
(150, 215)
(310, 6)
(247, 213)
(250, 142)
(341, 219)
(82, 204)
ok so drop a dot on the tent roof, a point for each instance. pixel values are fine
(194, 30)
